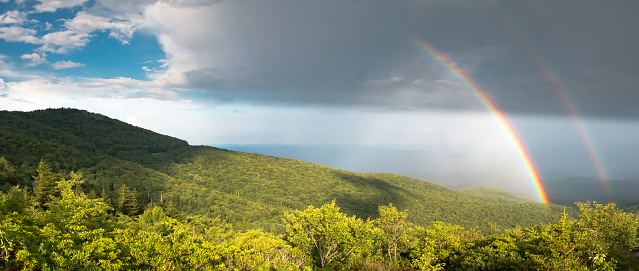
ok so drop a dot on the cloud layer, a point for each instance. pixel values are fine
(364, 53)
(357, 53)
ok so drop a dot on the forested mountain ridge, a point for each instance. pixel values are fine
(70, 139)
(239, 187)
(133, 204)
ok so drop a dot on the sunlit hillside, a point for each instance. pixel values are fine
(82, 190)
(236, 186)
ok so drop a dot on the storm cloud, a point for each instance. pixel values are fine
(365, 53)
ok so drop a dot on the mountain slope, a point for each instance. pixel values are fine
(243, 188)
(71, 139)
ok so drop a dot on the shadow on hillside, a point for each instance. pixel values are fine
(375, 192)
(182, 155)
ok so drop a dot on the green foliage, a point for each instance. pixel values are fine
(438, 243)
(256, 250)
(327, 236)
(601, 240)
(76, 232)
(9, 176)
(173, 212)
(392, 233)
(45, 185)
(128, 202)
(72, 139)
(72, 232)
(212, 209)
(178, 250)
(498, 252)
(614, 227)
(611, 230)
(247, 190)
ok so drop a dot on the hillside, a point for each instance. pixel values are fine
(236, 186)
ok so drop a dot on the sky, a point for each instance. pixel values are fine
(353, 72)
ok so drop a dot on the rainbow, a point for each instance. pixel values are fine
(593, 152)
(497, 113)
(571, 109)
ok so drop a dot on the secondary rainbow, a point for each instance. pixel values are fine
(593, 152)
(571, 109)
(497, 113)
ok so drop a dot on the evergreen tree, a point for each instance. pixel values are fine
(128, 202)
(92, 194)
(46, 185)
(171, 210)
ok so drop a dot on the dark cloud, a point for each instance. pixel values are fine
(365, 53)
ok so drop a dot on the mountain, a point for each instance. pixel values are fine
(242, 188)
(71, 139)
(437, 163)
(581, 189)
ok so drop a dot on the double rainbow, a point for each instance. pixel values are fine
(497, 113)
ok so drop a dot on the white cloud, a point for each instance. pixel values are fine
(138, 5)
(120, 27)
(78, 31)
(53, 5)
(158, 94)
(63, 41)
(9, 70)
(133, 88)
(118, 98)
(13, 17)
(18, 34)
(117, 83)
(183, 40)
(66, 65)
(126, 5)
(35, 59)
(54, 92)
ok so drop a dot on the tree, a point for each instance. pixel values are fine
(614, 227)
(46, 185)
(392, 230)
(325, 234)
(128, 202)
(172, 211)
(8, 173)
(438, 243)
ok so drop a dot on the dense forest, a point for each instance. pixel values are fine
(83, 191)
